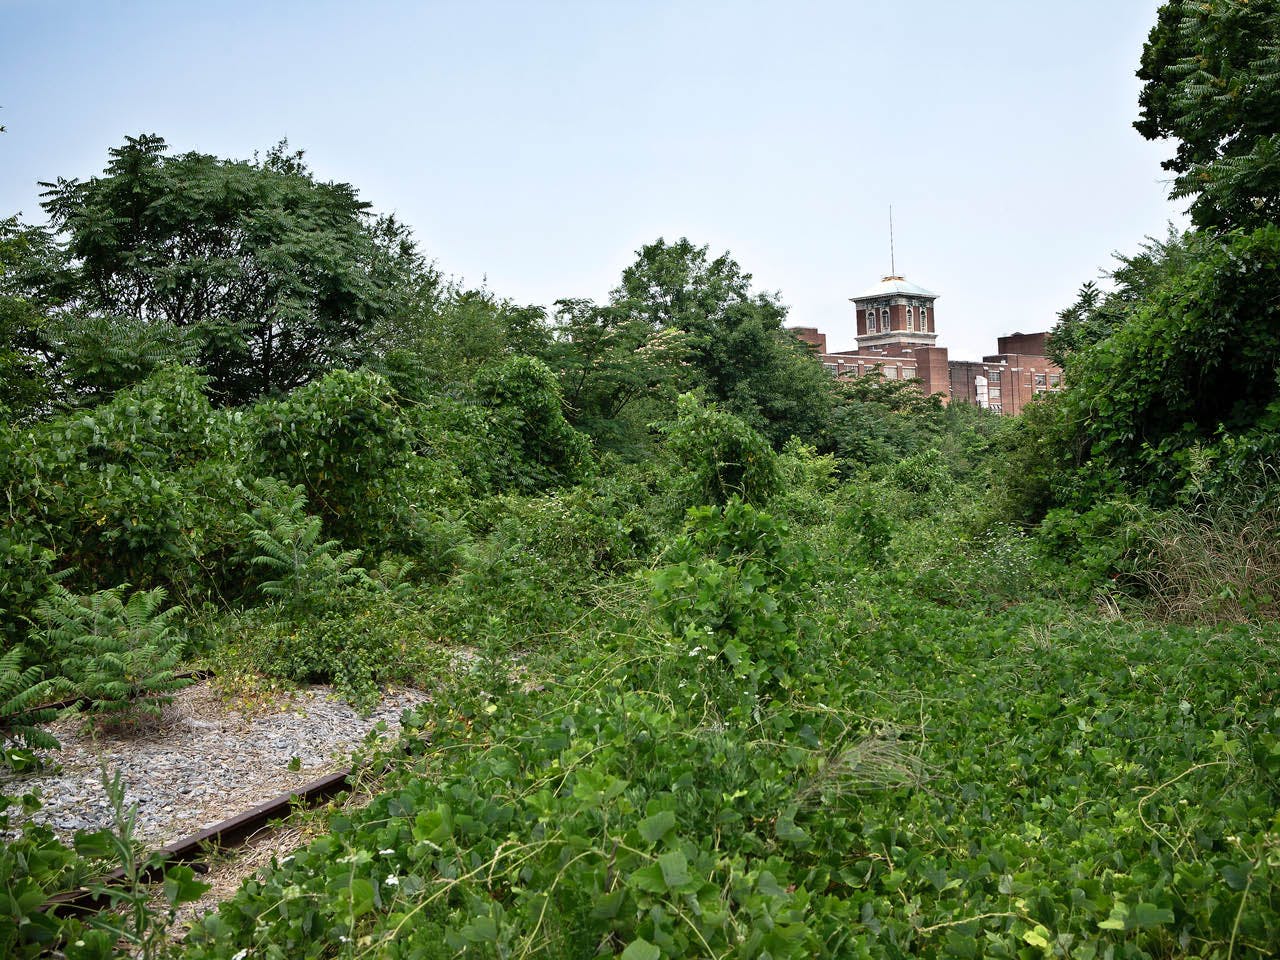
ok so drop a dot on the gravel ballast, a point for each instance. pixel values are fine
(202, 762)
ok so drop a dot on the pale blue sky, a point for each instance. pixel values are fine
(535, 145)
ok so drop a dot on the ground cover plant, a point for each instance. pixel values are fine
(926, 779)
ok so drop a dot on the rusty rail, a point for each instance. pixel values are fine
(230, 832)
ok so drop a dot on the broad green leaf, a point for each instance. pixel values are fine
(656, 827)
(641, 949)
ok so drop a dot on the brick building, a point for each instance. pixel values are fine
(897, 336)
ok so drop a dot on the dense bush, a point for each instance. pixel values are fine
(344, 440)
(137, 490)
(729, 591)
(713, 457)
(360, 640)
(26, 577)
(24, 693)
(1197, 360)
(534, 447)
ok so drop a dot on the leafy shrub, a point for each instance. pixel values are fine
(324, 619)
(806, 480)
(1195, 361)
(137, 490)
(358, 640)
(534, 446)
(580, 531)
(863, 526)
(507, 596)
(294, 567)
(713, 457)
(120, 653)
(1101, 548)
(1036, 456)
(344, 440)
(456, 447)
(729, 590)
(26, 577)
(34, 865)
(922, 473)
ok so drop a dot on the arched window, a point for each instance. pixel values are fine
(884, 319)
(924, 319)
(911, 325)
(871, 320)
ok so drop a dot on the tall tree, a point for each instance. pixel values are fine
(611, 361)
(736, 343)
(1097, 314)
(277, 276)
(1211, 72)
(447, 334)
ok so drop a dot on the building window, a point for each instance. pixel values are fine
(993, 392)
(1055, 381)
(908, 373)
(830, 366)
(924, 319)
(993, 376)
(1039, 381)
(890, 373)
(910, 322)
(884, 319)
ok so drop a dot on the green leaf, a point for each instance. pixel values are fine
(675, 869)
(181, 886)
(1236, 877)
(787, 830)
(482, 929)
(656, 827)
(98, 845)
(641, 949)
(607, 905)
(1149, 915)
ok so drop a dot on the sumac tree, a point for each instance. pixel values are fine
(278, 276)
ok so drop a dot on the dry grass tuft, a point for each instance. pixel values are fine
(1217, 563)
(880, 760)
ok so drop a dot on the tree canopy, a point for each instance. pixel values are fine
(1211, 72)
(275, 276)
(736, 343)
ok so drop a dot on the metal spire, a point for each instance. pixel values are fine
(893, 263)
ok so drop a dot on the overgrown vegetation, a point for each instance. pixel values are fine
(742, 661)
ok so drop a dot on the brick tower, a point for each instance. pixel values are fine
(895, 314)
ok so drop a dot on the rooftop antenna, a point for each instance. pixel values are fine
(893, 263)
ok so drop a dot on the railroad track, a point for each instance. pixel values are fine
(227, 833)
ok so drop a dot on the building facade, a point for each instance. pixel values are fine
(897, 338)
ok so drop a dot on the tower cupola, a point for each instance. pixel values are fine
(895, 312)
